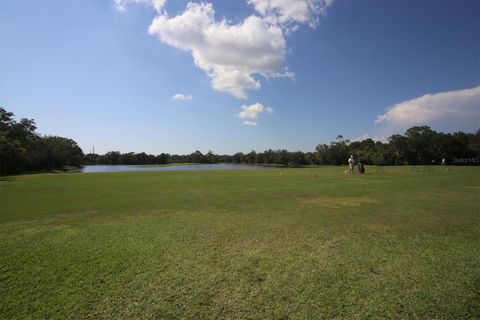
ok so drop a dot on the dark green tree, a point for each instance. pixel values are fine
(62, 151)
(15, 138)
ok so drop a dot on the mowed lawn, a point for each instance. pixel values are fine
(314, 243)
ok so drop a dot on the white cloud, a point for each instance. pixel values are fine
(249, 123)
(368, 136)
(156, 4)
(451, 110)
(252, 111)
(362, 137)
(291, 11)
(235, 56)
(231, 55)
(181, 96)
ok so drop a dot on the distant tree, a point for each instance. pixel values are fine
(36, 154)
(112, 157)
(128, 158)
(399, 147)
(197, 157)
(282, 157)
(474, 144)
(237, 157)
(15, 137)
(162, 158)
(269, 156)
(62, 151)
(91, 158)
(12, 155)
(420, 145)
(141, 158)
(252, 157)
(21, 148)
(310, 158)
(338, 152)
(382, 154)
(321, 154)
(297, 159)
(210, 157)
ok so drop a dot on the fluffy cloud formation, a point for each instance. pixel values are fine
(252, 112)
(291, 11)
(231, 55)
(452, 110)
(156, 4)
(235, 56)
(181, 96)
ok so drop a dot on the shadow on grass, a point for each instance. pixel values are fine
(7, 178)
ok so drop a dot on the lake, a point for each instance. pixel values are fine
(179, 167)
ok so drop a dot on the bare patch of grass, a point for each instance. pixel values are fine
(336, 202)
(77, 214)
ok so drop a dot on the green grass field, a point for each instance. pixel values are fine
(306, 244)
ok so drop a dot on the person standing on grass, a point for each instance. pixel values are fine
(351, 163)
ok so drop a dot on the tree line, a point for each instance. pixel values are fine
(418, 146)
(23, 149)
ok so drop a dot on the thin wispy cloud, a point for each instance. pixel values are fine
(457, 109)
(182, 96)
(155, 4)
(284, 12)
(362, 137)
(250, 123)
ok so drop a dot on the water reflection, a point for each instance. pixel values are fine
(186, 167)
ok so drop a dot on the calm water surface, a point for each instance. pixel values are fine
(194, 167)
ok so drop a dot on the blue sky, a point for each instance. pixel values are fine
(253, 74)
